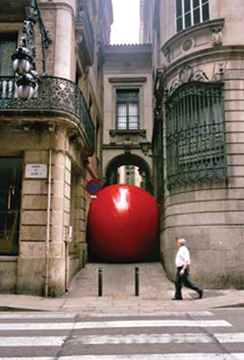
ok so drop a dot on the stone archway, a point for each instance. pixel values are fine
(128, 159)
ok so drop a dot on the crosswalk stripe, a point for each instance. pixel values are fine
(113, 324)
(73, 315)
(9, 341)
(38, 316)
(186, 356)
(158, 338)
(161, 313)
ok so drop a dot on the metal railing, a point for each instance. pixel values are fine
(195, 134)
(53, 94)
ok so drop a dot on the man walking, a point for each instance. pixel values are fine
(182, 262)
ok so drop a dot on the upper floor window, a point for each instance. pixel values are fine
(191, 12)
(127, 109)
(8, 43)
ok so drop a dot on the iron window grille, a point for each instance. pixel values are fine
(191, 12)
(127, 109)
(195, 133)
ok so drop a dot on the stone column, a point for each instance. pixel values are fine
(64, 42)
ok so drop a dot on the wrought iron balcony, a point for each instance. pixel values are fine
(55, 94)
(84, 31)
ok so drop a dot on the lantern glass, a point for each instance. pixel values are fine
(21, 66)
(25, 92)
(144, 145)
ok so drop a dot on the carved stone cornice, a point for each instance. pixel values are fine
(212, 24)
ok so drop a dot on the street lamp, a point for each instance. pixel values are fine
(24, 56)
(144, 145)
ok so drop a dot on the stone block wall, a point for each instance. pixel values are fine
(210, 215)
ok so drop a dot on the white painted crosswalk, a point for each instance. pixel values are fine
(185, 356)
(120, 339)
(57, 336)
(114, 324)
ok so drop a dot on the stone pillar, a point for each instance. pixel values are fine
(60, 192)
(64, 42)
(31, 261)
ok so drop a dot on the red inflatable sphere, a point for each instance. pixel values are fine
(123, 225)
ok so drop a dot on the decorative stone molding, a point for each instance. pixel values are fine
(194, 38)
(126, 137)
(187, 74)
(166, 58)
(217, 36)
(187, 44)
(141, 79)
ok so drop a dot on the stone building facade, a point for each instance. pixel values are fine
(199, 68)
(128, 112)
(50, 146)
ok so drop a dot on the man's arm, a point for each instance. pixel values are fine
(184, 268)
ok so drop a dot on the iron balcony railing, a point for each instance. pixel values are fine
(53, 94)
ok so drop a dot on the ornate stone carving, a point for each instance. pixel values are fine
(166, 58)
(187, 74)
(187, 44)
(217, 36)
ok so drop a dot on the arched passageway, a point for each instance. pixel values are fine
(127, 161)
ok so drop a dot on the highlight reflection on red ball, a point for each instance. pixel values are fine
(122, 224)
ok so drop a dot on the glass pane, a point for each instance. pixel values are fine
(133, 110)
(187, 5)
(121, 125)
(121, 116)
(205, 12)
(195, 3)
(197, 16)
(187, 20)
(133, 123)
(8, 43)
(121, 110)
(178, 8)
(204, 1)
(179, 24)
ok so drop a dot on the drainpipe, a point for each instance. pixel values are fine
(48, 223)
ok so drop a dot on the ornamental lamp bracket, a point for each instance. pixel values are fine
(24, 56)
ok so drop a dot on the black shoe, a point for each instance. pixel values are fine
(177, 298)
(200, 294)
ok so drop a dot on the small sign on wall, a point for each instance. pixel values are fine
(36, 171)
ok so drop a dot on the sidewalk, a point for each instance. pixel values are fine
(155, 294)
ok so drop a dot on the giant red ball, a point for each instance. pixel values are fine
(123, 225)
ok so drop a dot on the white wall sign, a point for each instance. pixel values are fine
(36, 171)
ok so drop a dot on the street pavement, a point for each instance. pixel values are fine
(118, 294)
(195, 335)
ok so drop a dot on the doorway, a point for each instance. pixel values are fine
(10, 199)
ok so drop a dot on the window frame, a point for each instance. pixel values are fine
(127, 102)
(180, 5)
(10, 39)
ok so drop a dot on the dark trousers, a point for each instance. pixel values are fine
(184, 279)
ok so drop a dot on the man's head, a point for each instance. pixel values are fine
(181, 242)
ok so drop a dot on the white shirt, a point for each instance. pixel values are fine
(182, 256)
